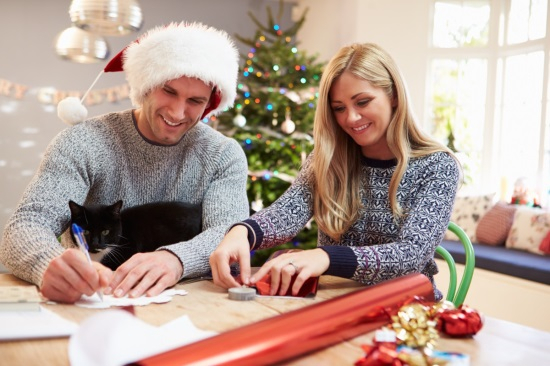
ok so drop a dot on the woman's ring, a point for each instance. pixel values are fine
(290, 262)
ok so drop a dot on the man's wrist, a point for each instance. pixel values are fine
(177, 258)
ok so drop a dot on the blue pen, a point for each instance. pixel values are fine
(81, 240)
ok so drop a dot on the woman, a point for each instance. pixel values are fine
(380, 190)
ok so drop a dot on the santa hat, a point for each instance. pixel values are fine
(167, 53)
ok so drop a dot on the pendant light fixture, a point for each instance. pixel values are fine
(75, 44)
(107, 17)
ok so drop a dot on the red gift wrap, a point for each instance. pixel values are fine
(301, 331)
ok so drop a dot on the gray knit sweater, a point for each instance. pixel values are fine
(376, 247)
(106, 159)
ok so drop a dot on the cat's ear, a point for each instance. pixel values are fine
(117, 206)
(76, 209)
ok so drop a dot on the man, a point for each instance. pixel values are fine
(159, 151)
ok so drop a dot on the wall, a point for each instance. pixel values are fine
(28, 29)
(399, 26)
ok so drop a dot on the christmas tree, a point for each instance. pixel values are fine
(273, 115)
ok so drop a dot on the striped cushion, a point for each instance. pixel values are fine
(494, 226)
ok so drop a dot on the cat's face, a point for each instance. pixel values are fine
(100, 223)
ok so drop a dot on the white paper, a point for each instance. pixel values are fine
(115, 337)
(94, 302)
(34, 324)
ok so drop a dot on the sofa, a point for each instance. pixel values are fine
(508, 239)
(511, 243)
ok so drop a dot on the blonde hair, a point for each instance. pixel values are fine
(337, 158)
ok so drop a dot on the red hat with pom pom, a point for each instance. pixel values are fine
(168, 53)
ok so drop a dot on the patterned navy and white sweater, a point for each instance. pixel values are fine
(376, 247)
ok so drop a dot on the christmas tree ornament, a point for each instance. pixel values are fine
(239, 120)
(288, 126)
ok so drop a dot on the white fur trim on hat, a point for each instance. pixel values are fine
(182, 49)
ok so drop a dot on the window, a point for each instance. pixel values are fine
(461, 23)
(488, 91)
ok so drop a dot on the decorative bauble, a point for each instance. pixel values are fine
(288, 126)
(239, 120)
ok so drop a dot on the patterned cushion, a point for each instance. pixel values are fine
(467, 211)
(530, 226)
(494, 226)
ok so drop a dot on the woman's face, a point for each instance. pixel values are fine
(364, 112)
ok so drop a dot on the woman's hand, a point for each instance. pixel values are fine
(304, 264)
(233, 248)
(69, 276)
(146, 273)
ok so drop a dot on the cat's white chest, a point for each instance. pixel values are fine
(98, 256)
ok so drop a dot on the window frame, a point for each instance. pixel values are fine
(495, 53)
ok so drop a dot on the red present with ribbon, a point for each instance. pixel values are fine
(308, 289)
(461, 322)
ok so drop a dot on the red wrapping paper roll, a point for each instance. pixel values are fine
(300, 331)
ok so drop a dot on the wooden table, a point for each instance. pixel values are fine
(498, 343)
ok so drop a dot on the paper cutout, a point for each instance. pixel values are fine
(94, 302)
(34, 324)
(116, 337)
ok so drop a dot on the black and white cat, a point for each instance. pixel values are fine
(114, 234)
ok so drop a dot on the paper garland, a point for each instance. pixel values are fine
(50, 95)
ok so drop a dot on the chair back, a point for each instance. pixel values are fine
(457, 296)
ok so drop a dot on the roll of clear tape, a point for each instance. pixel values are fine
(242, 293)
